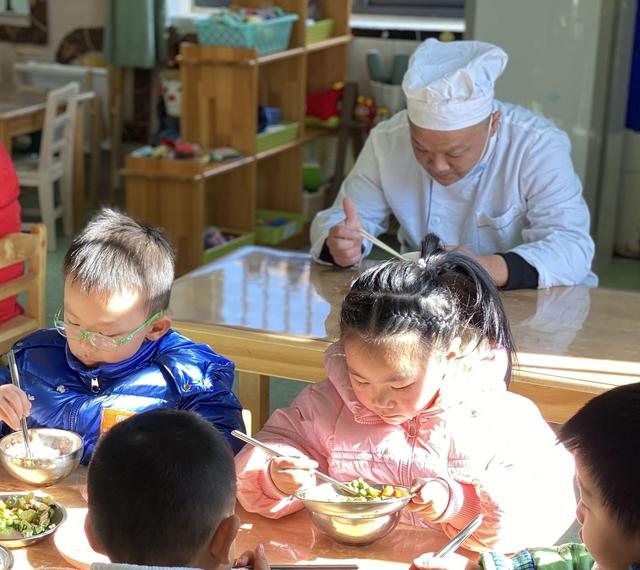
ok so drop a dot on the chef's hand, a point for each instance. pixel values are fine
(257, 559)
(14, 405)
(450, 562)
(494, 265)
(431, 498)
(344, 240)
(292, 473)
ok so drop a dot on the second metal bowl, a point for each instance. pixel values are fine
(351, 522)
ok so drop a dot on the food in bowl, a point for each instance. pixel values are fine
(38, 470)
(39, 449)
(27, 514)
(367, 492)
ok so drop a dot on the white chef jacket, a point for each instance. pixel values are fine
(523, 196)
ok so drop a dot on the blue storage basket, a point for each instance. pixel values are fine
(266, 37)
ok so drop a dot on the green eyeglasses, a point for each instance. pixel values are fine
(97, 340)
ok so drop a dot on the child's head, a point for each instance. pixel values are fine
(117, 282)
(604, 437)
(161, 492)
(404, 324)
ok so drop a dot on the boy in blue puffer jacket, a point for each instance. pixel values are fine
(112, 351)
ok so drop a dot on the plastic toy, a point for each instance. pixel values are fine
(365, 111)
(224, 152)
(382, 114)
(325, 104)
(213, 237)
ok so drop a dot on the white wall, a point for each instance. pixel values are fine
(570, 60)
(357, 61)
(553, 48)
(627, 237)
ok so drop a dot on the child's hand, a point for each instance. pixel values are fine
(14, 405)
(431, 499)
(256, 559)
(450, 562)
(291, 473)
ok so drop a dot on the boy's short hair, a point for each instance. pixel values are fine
(115, 253)
(159, 484)
(605, 437)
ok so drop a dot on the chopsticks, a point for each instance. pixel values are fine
(275, 453)
(15, 379)
(374, 240)
(459, 538)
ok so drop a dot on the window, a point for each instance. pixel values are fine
(15, 12)
(433, 8)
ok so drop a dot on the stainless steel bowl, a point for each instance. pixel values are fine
(6, 559)
(15, 539)
(40, 471)
(351, 522)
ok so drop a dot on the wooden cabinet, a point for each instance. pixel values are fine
(222, 88)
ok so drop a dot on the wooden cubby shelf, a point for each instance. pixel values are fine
(222, 88)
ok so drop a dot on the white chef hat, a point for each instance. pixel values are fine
(449, 85)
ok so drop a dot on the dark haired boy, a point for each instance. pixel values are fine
(604, 437)
(161, 492)
(112, 351)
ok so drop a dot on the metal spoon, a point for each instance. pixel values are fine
(459, 538)
(15, 379)
(248, 439)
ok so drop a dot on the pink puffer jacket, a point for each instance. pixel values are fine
(492, 447)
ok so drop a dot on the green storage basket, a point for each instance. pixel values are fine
(272, 235)
(265, 37)
(276, 135)
(318, 31)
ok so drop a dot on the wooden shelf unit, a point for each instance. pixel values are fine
(222, 88)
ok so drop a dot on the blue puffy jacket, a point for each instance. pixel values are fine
(171, 372)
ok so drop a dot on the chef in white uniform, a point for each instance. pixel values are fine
(491, 179)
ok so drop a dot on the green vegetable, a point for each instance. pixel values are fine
(365, 491)
(27, 514)
(368, 493)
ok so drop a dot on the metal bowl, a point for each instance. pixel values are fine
(42, 471)
(351, 522)
(14, 539)
(6, 559)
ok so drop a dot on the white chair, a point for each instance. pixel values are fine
(54, 75)
(101, 119)
(54, 164)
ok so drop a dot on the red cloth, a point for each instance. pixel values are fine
(9, 222)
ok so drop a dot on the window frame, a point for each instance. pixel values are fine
(421, 8)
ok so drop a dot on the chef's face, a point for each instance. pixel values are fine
(449, 156)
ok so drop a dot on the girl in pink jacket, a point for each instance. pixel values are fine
(416, 396)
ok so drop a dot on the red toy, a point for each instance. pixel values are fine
(325, 104)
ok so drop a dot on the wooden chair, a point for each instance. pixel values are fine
(32, 248)
(55, 162)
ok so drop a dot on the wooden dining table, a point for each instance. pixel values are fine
(291, 540)
(275, 312)
(22, 111)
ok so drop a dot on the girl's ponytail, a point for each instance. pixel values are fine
(445, 295)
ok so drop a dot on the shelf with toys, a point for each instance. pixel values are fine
(186, 197)
(238, 98)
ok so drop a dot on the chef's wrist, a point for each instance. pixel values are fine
(521, 274)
